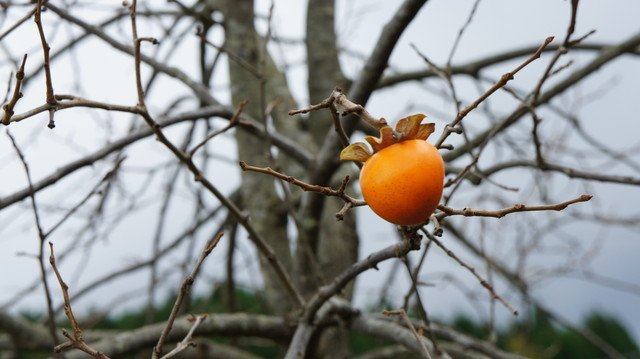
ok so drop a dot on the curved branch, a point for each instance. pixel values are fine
(244, 325)
(307, 326)
(386, 329)
(473, 68)
(568, 171)
(393, 332)
(327, 291)
(25, 334)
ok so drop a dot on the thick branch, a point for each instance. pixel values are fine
(227, 325)
(327, 160)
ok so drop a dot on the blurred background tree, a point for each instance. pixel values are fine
(214, 81)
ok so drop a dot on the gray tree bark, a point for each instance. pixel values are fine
(337, 242)
(268, 212)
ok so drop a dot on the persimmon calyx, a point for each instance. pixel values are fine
(355, 152)
(408, 128)
(412, 128)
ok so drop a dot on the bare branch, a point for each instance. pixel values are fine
(473, 68)
(283, 143)
(184, 290)
(566, 170)
(17, 94)
(233, 122)
(45, 53)
(17, 24)
(186, 342)
(605, 56)
(449, 128)
(340, 104)
(77, 340)
(393, 332)
(464, 27)
(499, 213)
(42, 238)
(473, 271)
(407, 321)
(327, 191)
(410, 242)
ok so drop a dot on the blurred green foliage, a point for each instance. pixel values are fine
(536, 336)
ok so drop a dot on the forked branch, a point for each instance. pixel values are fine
(17, 94)
(76, 340)
(349, 201)
(339, 102)
(451, 127)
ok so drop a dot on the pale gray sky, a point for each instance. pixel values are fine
(606, 103)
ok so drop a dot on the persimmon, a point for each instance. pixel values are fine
(402, 180)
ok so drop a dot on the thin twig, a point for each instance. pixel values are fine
(136, 53)
(326, 103)
(242, 218)
(464, 27)
(566, 44)
(17, 94)
(186, 342)
(45, 51)
(77, 340)
(537, 144)
(343, 106)
(234, 121)
(407, 321)
(50, 97)
(170, 186)
(449, 128)
(327, 191)
(96, 189)
(499, 213)
(184, 290)
(413, 274)
(337, 125)
(17, 24)
(567, 171)
(233, 57)
(473, 271)
(42, 238)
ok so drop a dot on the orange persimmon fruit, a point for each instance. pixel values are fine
(402, 180)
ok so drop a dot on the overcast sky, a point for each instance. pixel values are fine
(606, 102)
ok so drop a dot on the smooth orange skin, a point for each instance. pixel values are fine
(403, 182)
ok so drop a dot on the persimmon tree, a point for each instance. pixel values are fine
(243, 162)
